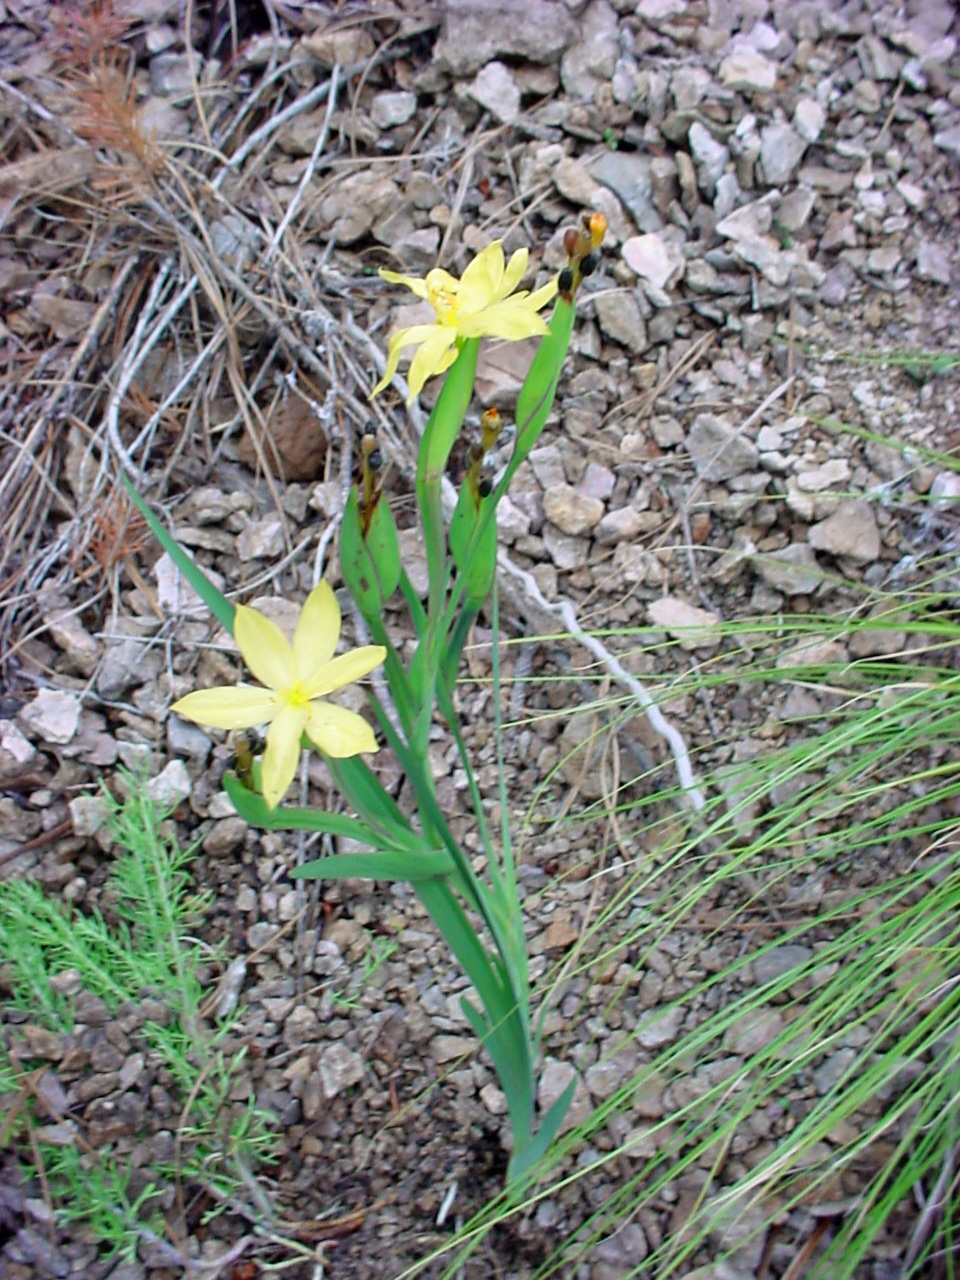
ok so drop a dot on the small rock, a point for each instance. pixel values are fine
(688, 85)
(620, 318)
(496, 90)
(630, 176)
(339, 1067)
(657, 1029)
(494, 1099)
(261, 540)
(450, 1048)
(794, 570)
(749, 221)
(816, 479)
(302, 1026)
(571, 511)
(124, 664)
(850, 532)
(476, 31)
(70, 635)
(796, 208)
(655, 259)
(590, 62)
(170, 786)
(171, 74)
(948, 140)
(777, 962)
(88, 814)
(933, 262)
(781, 151)
(884, 259)
(619, 526)
(53, 715)
(695, 628)
(808, 119)
(748, 71)
(710, 157)
(832, 1070)
(17, 753)
(554, 1079)
(719, 452)
(392, 108)
(753, 1031)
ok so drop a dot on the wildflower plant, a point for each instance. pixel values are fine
(478, 914)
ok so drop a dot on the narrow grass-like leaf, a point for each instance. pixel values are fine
(215, 600)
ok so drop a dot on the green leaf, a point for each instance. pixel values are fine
(540, 387)
(526, 1157)
(473, 543)
(216, 602)
(252, 807)
(370, 563)
(394, 864)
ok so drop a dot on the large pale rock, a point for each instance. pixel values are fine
(693, 627)
(571, 511)
(718, 450)
(851, 532)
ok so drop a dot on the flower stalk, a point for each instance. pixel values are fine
(479, 915)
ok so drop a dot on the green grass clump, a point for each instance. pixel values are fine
(147, 951)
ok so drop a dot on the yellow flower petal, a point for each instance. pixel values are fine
(264, 648)
(513, 274)
(227, 707)
(350, 666)
(481, 280)
(280, 759)
(481, 303)
(542, 296)
(339, 732)
(317, 633)
(431, 358)
(418, 286)
(511, 319)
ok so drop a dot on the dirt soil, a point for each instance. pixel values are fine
(193, 206)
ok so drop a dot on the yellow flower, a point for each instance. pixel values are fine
(296, 678)
(475, 306)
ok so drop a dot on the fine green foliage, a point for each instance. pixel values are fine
(833, 1064)
(147, 949)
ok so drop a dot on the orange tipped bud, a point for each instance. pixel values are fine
(491, 424)
(597, 226)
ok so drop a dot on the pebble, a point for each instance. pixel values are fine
(776, 962)
(748, 71)
(781, 150)
(833, 1069)
(591, 62)
(620, 318)
(555, 1077)
(339, 1066)
(393, 107)
(496, 90)
(170, 786)
(851, 532)
(693, 627)
(808, 119)
(933, 262)
(817, 479)
(794, 569)
(52, 716)
(88, 814)
(537, 31)
(655, 259)
(630, 176)
(657, 1029)
(753, 1031)
(718, 450)
(711, 157)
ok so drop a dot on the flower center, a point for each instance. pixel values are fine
(443, 300)
(294, 697)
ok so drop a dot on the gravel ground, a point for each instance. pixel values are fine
(743, 429)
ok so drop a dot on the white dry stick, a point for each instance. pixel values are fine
(318, 146)
(563, 611)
